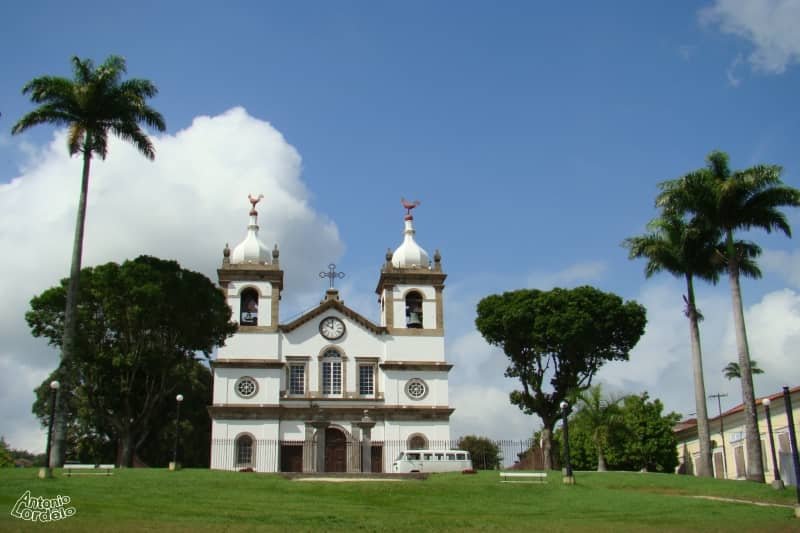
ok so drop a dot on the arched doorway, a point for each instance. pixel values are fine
(335, 450)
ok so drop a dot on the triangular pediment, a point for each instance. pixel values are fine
(326, 305)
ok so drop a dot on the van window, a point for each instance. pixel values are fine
(400, 456)
(460, 456)
(440, 457)
(451, 457)
(428, 456)
(412, 456)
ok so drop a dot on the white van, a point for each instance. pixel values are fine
(432, 461)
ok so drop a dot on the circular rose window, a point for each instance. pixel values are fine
(416, 389)
(246, 387)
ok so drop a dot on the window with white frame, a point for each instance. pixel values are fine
(297, 378)
(366, 379)
(332, 372)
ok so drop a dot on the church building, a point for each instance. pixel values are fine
(330, 391)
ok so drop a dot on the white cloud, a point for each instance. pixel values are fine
(185, 205)
(730, 73)
(661, 362)
(769, 25)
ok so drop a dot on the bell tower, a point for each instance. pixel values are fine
(410, 286)
(252, 279)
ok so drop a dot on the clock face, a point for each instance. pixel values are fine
(331, 328)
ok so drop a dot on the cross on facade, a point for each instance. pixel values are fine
(331, 274)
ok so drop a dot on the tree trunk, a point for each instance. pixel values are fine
(704, 466)
(126, 455)
(58, 449)
(547, 447)
(755, 469)
(601, 460)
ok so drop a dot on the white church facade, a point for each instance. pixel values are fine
(330, 391)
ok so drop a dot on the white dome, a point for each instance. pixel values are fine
(251, 249)
(410, 254)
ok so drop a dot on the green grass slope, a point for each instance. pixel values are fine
(202, 500)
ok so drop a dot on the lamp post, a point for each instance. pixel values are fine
(174, 464)
(777, 483)
(47, 471)
(568, 479)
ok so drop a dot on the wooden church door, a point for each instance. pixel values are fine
(335, 451)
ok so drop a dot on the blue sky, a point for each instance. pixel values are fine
(533, 134)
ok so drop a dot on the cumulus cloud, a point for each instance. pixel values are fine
(660, 363)
(769, 25)
(185, 205)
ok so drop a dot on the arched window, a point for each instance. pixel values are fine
(248, 311)
(244, 451)
(413, 310)
(331, 372)
(417, 441)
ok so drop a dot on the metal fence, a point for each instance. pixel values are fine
(264, 455)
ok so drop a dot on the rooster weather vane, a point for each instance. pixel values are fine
(409, 205)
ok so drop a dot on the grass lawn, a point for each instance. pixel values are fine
(202, 500)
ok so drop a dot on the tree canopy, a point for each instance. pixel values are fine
(142, 325)
(639, 437)
(485, 453)
(556, 341)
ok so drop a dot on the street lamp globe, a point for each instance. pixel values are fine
(179, 397)
(765, 402)
(55, 384)
(563, 405)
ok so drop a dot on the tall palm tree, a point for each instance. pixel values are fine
(602, 416)
(688, 251)
(92, 104)
(733, 201)
(732, 370)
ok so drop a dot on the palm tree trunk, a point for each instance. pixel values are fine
(58, 449)
(704, 468)
(755, 469)
(601, 460)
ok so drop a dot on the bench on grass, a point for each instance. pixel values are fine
(523, 477)
(88, 470)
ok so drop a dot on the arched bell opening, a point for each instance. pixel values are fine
(414, 310)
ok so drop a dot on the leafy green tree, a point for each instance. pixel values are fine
(92, 104)
(732, 370)
(684, 250)
(5, 454)
(556, 341)
(602, 417)
(143, 324)
(485, 453)
(734, 201)
(91, 440)
(650, 443)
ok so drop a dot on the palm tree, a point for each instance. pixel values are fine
(91, 104)
(732, 369)
(602, 416)
(732, 201)
(688, 251)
